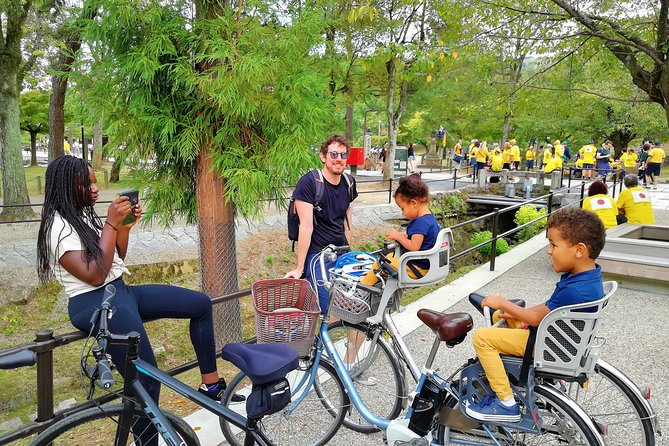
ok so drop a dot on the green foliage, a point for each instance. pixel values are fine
(366, 247)
(269, 259)
(241, 92)
(501, 246)
(526, 214)
(34, 112)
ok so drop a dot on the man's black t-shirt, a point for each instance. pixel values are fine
(330, 216)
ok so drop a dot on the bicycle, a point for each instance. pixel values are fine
(628, 418)
(139, 419)
(549, 417)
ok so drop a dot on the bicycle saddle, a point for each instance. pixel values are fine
(450, 328)
(477, 299)
(263, 363)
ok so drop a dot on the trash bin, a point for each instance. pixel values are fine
(356, 156)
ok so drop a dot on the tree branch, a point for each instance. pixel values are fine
(539, 87)
(662, 25)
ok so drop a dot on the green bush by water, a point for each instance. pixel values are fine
(502, 245)
(526, 214)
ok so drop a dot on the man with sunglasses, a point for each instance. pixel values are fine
(329, 220)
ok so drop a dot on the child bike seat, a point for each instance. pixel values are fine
(263, 363)
(450, 328)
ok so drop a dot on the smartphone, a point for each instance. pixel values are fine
(133, 196)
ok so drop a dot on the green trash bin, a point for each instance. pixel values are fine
(401, 165)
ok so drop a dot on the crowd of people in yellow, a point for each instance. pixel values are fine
(633, 205)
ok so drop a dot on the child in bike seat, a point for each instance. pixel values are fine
(576, 238)
(412, 197)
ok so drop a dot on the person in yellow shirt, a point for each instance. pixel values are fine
(655, 159)
(496, 159)
(473, 147)
(506, 156)
(529, 158)
(634, 202)
(66, 147)
(601, 204)
(554, 163)
(548, 155)
(587, 154)
(629, 157)
(481, 156)
(559, 148)
(515, 155)
(457, 154)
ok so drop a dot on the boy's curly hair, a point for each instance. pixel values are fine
(580, 226)
(412, 187)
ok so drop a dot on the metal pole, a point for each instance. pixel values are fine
(615, 181)
(582, 192)
(550, 203)
(569, 180)
(493, 246)
(455, 178)
(390, 191)
(44, 377)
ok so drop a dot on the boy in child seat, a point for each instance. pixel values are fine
(412, 197)
(576, 238)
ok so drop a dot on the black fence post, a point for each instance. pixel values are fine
(455, 178)
(390, 191)
(493, 245)
(569, 180)
(561, 178)
(582, 193)
(44, 377)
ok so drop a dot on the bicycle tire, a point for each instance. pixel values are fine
(326, 399)
(562, 419)
(627, 418)
(75, 429)
(386, 397)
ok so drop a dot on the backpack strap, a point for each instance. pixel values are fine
(318, 180)
(349, 183)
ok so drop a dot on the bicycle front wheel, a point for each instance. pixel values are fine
(610, 400)
(563, 423)
(97, 426)
(314, 421)
(377, 373)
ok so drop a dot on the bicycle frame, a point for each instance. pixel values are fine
(132, 387)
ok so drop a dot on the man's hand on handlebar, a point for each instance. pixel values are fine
(294, 274)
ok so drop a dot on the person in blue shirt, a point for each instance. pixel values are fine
(576, 238)
(412, 196)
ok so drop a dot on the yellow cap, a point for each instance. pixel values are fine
(513, 141)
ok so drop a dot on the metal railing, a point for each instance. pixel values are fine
(45, 342)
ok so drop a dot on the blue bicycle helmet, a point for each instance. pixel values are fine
(355, 263)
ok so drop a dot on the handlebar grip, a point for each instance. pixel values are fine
(105, 376)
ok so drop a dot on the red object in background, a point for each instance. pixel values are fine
(356, 156)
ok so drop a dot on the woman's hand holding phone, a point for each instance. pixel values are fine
(135, 209)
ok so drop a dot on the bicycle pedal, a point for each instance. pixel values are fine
(413, 442)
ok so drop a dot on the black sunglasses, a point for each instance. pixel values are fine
(335, 155)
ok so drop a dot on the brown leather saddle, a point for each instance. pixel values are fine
(452, 328)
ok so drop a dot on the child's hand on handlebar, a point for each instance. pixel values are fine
(495, 301)
(394, 235)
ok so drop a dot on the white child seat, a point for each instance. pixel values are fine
(438, 256)
(565, 344)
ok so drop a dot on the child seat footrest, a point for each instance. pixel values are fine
(262, 363)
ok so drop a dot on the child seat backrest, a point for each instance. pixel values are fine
(439, 259)
(564, 344)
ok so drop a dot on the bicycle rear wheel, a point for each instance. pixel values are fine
(97, 426)
(610, 400)
(380, 379)
(563, 423)
(313, 422)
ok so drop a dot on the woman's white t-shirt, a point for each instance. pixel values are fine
(63, 239)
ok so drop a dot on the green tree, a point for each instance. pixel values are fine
(14, 187)
(225, 102)
(34, 118)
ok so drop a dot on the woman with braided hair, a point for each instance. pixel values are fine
(84, 253)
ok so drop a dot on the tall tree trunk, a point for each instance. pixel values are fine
(115, 170)
(216, 225)
(506, 128)
(394, 114)
(14, 187)
(33, 148)
(57, 117)
(97, 144)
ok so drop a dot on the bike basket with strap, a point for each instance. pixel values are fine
(286, 311)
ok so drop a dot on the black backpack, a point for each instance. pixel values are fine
(294, 219)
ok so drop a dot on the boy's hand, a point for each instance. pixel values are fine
(494, 301)
(393, 235)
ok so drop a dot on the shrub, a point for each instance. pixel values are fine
(480, 237)
(526, 214)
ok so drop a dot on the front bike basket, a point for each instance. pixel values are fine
(286, 311)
